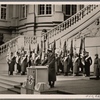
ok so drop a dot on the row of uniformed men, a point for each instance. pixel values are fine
(76, 64)
(22, 60)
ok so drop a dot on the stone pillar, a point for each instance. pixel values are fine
(31, 20)
(14, 11)
(78, 8)
(21, 42)
(14, 16)
(58, 14)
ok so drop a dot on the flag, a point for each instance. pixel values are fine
(41, 51)
(71, 48)
(75, 46)
(60, 51)
(48, 44)
(64, 49)
(54, 46)
(82, 46)
(37, 51)
(29, 47)
(60, 44)
(80, 49)
(16, 47)
(9, 52)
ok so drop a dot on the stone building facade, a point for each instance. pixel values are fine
(33, 19)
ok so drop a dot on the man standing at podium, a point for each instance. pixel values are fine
(51, 68)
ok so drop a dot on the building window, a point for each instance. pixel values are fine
(70, 9)
(3, 11)
(81, 7)
(44, 9)
(23, 11)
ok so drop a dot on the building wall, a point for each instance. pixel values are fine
(32, 24)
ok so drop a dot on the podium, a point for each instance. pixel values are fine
(37, 76)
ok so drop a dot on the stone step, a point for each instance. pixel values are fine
(16, 90)
(7, 92)
(17, 79)
(10, 83)
(2, 89)
(5, 86)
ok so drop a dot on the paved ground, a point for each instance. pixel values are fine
(68, 84)
(77, 85)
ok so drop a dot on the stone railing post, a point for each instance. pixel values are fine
(20, 42)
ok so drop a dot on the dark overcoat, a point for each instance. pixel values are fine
(19, 64)
(88, 62)
(97, 66)
(50, 61)
(76, 66)
(56, 64)
(12, 64)
(51, 68)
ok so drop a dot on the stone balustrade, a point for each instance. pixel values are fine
(5, 46)
(20, 41)
(25, 40)
(30, 39)
(70, 21)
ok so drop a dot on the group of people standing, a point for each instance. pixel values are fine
(22, 60)
(76, 64)
(57, 64)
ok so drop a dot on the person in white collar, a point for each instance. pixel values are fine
(18, 59)
(76, 65)
(88, 63)
(97, 66)
(82, 63)
(12, 62)
(24, 63)
(65, 60)
(37, 60)
(33, 56)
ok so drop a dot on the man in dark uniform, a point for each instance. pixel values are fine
(66, 69)
(51, 68)
(18, 61)
(88, 63)
(12, 63)
(97, 66)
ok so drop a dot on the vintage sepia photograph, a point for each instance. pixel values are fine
(50, 49)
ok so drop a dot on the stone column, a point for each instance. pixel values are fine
(78, 8)
(31, 20)
(21, 42)
(14, 16)
(14, 11)
(58, 14)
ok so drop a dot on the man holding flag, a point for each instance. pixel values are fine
(82, 55)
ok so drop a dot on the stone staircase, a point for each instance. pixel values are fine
(11, 84)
